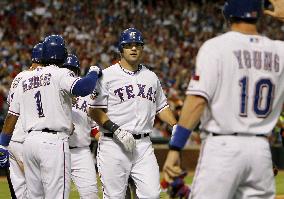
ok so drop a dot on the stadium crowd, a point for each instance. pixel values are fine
(173, 31)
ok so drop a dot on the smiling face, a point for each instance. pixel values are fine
(132, 53)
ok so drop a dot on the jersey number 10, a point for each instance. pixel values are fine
(261, 110)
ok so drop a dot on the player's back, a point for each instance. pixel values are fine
(248, 94)
(82, 123)
(18, 133)
(44, 99)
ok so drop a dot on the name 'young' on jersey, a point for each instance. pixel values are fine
(242, 79)
(132, 99)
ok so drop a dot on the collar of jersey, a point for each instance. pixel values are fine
(131, 72)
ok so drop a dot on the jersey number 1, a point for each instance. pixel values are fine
(259, 95)
(39, 104)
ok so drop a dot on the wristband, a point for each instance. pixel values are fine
(94, 132)
(5, 139)
(179, 138)
(110, 126)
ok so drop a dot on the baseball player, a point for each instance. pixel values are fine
(238, 92)
(83, 172)
(127, 99)
(43, 99)
(16, 145)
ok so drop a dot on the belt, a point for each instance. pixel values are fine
(73, 147)
(239, 134)
(46, 130)
(136, 136)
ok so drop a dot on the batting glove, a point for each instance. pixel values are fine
(4, 157)
(97, 69)
(126, 138)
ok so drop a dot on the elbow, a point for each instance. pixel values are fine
(85, 86)
(83, 90)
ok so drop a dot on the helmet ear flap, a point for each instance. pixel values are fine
(37, 53)
(72, 63)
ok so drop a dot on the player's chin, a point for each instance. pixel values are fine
(133, 60)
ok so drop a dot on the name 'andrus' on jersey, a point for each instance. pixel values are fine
(36, 81)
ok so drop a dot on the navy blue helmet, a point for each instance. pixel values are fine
(37, 53)
(243, 9)
(72, 63)
(130, 35)
(54, 50)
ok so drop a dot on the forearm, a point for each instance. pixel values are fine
(98, 115)
(9, 124)
(85, 85)
(167, 116)
(8, 129)
(192, 110)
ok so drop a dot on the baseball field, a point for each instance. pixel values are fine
(5, 194)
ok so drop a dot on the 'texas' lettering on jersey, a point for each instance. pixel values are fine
(258, 60)
(81, 105)
(127, 92)
(36, 81)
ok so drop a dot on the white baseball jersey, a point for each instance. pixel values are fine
(36, 99)
(83, 171)
(132, 99)
(242, 78)
(18, 133)
(82, 123)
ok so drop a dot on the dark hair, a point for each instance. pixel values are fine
(241, 20)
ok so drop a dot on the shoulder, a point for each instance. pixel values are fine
(57, 71)
(277, 43)
(214, 46)
(18, 78)
(146, 70)
(21, 74)
(211, 44)
(111, 69)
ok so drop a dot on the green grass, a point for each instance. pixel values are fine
(5, 194)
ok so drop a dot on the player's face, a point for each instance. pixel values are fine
(132, 52)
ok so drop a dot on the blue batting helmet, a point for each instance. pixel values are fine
(130, 35)
(72, 63)
(37, 53)
(54, 50)
(243, 9)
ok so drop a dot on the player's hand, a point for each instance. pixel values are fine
(4, 157)
(97, 69)
(171, 167)
(126, 138)
(278, 11)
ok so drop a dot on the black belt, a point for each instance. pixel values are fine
(73, 147)
(240, 134)
(46, 130)
(136, 136)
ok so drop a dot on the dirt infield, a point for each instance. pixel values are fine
(280, 197)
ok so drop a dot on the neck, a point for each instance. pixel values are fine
(34, 66)
(128, 66)
(245, 28)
